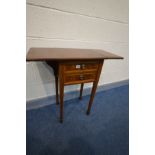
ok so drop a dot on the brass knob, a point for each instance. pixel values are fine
(81, 77)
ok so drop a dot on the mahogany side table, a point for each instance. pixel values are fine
(72, 66)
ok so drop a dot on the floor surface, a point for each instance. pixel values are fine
(104, 132)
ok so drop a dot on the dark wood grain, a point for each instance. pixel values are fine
(81, 90)
(61, 80)
(56, 89)
(95, 83)
(43, 54)
(72, 66)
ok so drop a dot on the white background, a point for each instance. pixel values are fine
(13, 77)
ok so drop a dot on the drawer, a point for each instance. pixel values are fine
(78, 78)
(81, 66)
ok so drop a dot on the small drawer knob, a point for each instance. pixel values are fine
(83, 66)
(81, 77)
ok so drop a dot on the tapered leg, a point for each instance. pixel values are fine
(92, 97)
(61, 100)
(56, 88)
(81, 90)
(95, 83)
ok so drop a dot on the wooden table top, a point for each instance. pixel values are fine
(43, 54)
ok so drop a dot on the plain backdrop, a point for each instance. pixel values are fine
(13, 77)
(95, 24)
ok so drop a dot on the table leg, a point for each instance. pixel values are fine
(95, 83)
(56, 89)
(61, 100)
(81, 90)
(92, 97)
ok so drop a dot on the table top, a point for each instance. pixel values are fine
(43, 54)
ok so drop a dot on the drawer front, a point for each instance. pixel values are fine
(78, 78)
(81, 66)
